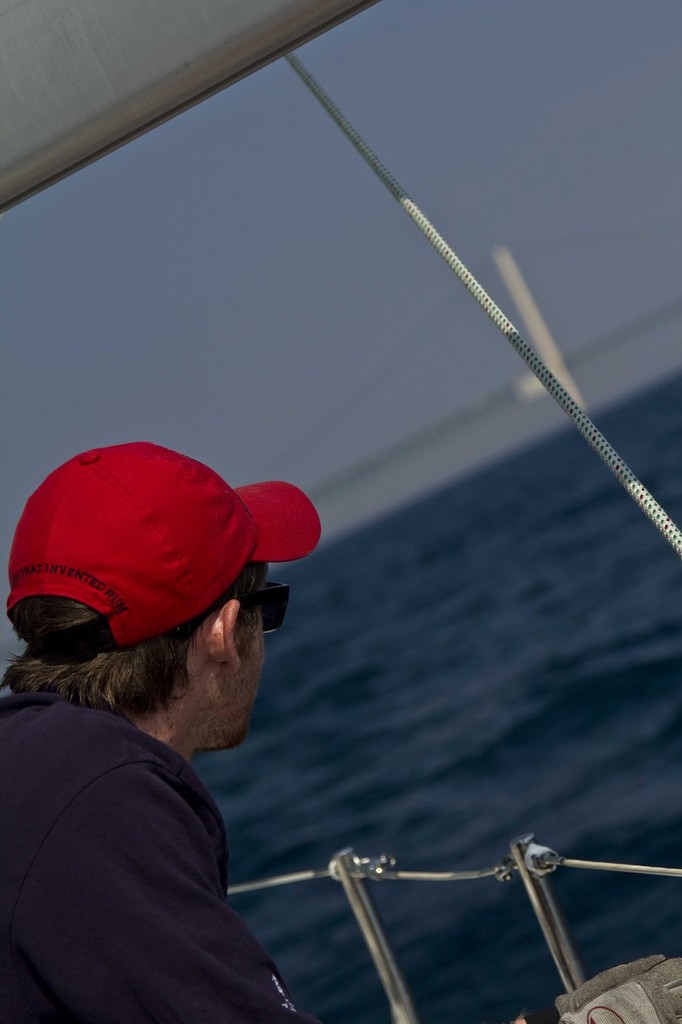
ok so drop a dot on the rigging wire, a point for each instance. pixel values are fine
(594, 438)
(311, 437)
(598, 240)
(490, 401)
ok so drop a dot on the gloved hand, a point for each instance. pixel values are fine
(647, 991)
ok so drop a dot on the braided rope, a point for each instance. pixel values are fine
(594, 438)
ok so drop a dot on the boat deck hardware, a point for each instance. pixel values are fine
(534, 862)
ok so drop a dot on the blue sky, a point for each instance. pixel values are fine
(237, 285)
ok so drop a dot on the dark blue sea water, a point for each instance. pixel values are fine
(503, 657)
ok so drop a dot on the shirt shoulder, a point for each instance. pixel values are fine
(53, 753)
(128, 877)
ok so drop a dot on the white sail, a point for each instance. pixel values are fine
(79, 78)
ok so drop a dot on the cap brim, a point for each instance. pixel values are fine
(287, 523)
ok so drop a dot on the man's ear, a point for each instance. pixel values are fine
(220, 635)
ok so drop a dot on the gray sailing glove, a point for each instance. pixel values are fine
(647, 991)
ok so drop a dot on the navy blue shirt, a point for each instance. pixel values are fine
(113, 873)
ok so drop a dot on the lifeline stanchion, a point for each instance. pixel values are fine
(343, 867)
(594, 438)
(549, 913)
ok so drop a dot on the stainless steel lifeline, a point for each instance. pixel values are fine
(534, 863)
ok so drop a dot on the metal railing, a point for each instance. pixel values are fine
(534, 863)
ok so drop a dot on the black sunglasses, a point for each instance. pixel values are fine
(273, 600)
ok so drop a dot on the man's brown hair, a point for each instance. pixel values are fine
(137, 679)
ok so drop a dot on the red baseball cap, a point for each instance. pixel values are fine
(150, 538)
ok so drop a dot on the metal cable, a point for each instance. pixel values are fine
(433, 876)
(500, 871)
(268, 883)
(594, 438)
(489, 401)
(635, 869)
(392, 876)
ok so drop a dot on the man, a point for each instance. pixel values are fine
(138, 582)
